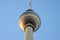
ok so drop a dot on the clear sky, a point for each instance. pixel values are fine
(48, 11)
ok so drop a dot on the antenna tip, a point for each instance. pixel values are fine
(29, 4)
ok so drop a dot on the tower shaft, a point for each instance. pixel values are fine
(28, 33)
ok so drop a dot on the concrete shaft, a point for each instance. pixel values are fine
(28, 33)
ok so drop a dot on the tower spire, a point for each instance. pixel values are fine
(29, 4)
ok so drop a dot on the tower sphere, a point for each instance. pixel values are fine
(29, 18)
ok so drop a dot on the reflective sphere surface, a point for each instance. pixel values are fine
(29, 18)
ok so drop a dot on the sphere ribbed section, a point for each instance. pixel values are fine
(29, 18)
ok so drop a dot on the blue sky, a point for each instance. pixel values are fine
(48, 11)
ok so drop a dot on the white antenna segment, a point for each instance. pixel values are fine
(29, 4)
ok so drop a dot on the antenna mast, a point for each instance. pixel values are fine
(29, 4)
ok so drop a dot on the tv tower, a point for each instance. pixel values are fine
(29, 22)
